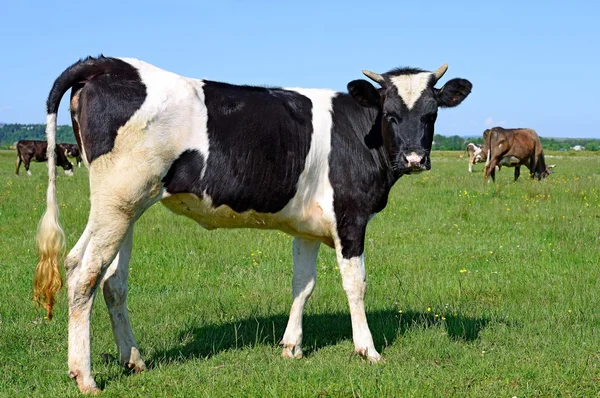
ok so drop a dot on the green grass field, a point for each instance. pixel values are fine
(474, 290)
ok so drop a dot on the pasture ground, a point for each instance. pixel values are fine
(474, 290)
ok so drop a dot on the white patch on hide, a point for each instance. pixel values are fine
(410, 87)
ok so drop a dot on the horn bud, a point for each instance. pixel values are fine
(376, 77)
(440, 71)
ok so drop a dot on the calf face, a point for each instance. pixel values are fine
(408, 103)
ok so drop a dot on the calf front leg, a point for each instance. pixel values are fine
(350, 256)
(303, 283)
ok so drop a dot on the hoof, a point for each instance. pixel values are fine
(371, 356)
(291, 351)
(136, 368)
(85, 386)
(134, 363)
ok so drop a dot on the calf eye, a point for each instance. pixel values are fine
(391, 118)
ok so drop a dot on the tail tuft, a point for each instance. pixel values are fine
(50, 235)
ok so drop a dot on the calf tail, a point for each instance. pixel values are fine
(50, 235)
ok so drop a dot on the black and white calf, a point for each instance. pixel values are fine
(316, 164)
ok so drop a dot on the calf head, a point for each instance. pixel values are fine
(408, 104)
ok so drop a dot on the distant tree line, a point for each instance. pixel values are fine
(456, 143)
(11, 133)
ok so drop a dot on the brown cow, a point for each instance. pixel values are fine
(72, 150)
(28, 150)
(514, 148)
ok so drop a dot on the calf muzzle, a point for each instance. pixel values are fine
(413, 162)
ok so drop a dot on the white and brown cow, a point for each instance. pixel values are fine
(314, 163)
(476, 154)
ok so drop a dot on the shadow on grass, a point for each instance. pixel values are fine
(319, 330)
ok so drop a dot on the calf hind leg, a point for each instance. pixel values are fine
(114, 287)
(84, 272)
(303, 283)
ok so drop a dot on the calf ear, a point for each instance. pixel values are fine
(453, 92)
(364, 93)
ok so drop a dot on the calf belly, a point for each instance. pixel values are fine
(308, 221)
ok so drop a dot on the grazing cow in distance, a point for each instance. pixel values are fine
(514, 148)
(72, 150)
(314, 163)
(476, 155)
(513, 161)
(31, 150)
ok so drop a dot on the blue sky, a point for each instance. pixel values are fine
(532, 63)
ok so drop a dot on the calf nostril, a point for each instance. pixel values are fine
(413, 158)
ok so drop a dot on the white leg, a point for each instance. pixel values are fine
(303, 283)
(28, 172)
(104, 240)
(355, 285)
(114, 286)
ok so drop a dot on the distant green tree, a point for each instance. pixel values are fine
(11, 133)
(593, 146)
